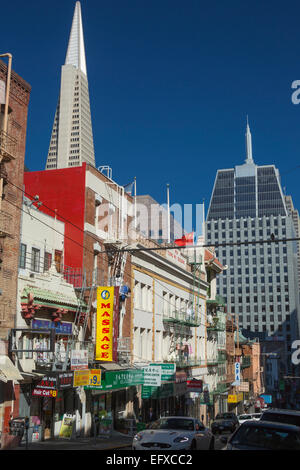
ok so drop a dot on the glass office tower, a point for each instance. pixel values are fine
(260, 284)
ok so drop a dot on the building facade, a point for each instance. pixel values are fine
(247, 214)
(12, 153)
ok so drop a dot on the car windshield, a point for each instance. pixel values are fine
(245, 417)
(173, 423)
(224, 416)
(266, 438)
(281, 418)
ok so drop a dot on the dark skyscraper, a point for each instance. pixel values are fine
(260, 284)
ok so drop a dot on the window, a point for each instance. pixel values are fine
(35, 260)
(47, 261)
(22, 260)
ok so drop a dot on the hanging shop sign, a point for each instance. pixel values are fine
(152, 376)
(114, 380)
(244, 387)
(116, 323)
(168, 371)
(104, 325)
(60, 329)
(47, 387)
(95, 380)
(164, 391)
(79, 359)
(267, 399)
(41, 392)
(65, 380)
(52, 383)
(235, 398)
(195, 386)
(237, 373)
(81, 378)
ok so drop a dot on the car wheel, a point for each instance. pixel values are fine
(193, 445)
(212, 444)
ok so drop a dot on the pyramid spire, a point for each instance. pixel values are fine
(71, 141)
(75, 52)
(249, 157)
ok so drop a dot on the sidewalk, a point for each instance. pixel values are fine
(116, 441)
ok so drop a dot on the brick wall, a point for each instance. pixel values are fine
(17, 125)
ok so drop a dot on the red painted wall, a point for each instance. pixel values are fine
(63, 190)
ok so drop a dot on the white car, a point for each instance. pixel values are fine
(256, 416)
(244, 417)
(174, 433)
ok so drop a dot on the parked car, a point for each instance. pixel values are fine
(281, 416)
(244, 417)
(224, 422)
(174, 433)
(263, 435)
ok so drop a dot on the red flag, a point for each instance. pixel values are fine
(187, 239)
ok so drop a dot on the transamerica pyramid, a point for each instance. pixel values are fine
(71, 141)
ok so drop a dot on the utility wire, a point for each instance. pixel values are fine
(160, 248)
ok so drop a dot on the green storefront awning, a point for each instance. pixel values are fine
(118, 379)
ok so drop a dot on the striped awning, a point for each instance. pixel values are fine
(8, 370)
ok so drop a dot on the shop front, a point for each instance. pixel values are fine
(115, 403)
(51, 398)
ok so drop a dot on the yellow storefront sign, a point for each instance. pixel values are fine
(235, 398)
(81, 378)
(104, 328)
(95, 378)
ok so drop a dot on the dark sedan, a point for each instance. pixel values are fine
(225, 422)
(263, 435)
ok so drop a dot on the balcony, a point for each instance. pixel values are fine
(216, 325)
(220, 359)
(8, 147)
(6, 224)
(181, 363)
(183, 317)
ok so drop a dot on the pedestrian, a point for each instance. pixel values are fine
(151, 415)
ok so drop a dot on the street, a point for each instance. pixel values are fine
(119, 443)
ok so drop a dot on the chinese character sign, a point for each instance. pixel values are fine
(104, 328)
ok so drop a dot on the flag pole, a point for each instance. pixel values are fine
(169, 222)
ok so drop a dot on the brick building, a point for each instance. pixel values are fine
(12, 152)
(12, 168)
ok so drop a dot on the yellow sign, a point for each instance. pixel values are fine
(95, 377)
(236, 398)
(67, 424)
(104, 328)
(81, 378)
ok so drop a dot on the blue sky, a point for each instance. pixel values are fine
(171, 83)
